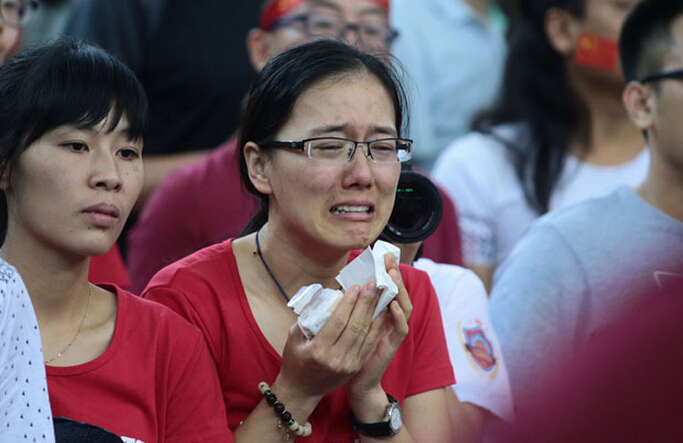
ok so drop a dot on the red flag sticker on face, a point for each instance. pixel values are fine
(597, 53)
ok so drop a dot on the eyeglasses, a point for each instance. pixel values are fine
(674, 73)
(331, 25)
(340, 151)
(17, 12)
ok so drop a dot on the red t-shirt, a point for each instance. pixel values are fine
(155, 383)
(205, 288)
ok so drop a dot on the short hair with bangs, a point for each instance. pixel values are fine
(65, 82)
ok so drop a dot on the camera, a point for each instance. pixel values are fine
(417, 209)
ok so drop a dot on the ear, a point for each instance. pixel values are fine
(258, 47)
(562, 31)
(257, 164)
(639, 101)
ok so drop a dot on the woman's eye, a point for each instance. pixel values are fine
(75, 146)
(129, 154)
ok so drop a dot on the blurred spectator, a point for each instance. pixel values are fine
(453, 52)
(483, 386)
(580, 268)
(558, 135)
(204, 203)
(191, 60)
(47, 23)
(13, 16)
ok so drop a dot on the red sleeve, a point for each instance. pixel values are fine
(195, 404)
(432, 367)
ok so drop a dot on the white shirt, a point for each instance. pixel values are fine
(25, 414)
(477, 173)
(480, 373)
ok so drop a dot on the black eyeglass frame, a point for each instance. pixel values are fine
(29, 6)
(404, 144)
(392, 34)
(672, 73)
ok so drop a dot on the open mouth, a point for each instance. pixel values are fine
(351, 209)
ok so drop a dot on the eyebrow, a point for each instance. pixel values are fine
(326, 129)
(90, 130)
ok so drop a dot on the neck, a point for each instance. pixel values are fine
(663, 187)
(294, 265)
(481, 7)
(613, 138)
(56, 284)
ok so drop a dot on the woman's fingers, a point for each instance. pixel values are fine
(374, 335)
(402, 297)
(339, 318)
(360, 320)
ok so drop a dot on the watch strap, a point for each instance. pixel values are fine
(380, 429)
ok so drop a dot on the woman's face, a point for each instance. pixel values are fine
(343, 206)
(72, 189)
(605, 17)
(592, 48)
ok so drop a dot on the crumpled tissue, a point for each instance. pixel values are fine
(314, 304)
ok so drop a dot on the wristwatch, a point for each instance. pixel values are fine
(393, 420)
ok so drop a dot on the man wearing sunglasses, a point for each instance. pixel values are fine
(579, 269)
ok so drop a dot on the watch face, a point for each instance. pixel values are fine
(396, 419)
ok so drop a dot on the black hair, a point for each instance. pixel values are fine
(536, 93)
(65, 82)
(286, 76)
(646, 37)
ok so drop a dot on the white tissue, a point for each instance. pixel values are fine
(314, 304)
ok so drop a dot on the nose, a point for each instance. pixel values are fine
(350, 35)
(105, 173)
(359, 172)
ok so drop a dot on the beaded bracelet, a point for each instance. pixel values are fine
(286, 416)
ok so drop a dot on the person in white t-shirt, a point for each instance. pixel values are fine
(482, 384)
(557, 136)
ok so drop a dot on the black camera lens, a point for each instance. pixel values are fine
(417, 210)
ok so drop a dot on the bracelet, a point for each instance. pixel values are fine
(286, 416)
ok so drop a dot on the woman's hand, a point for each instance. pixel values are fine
(362, 389)
(315, 367)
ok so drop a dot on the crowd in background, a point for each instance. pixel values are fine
(275, 134)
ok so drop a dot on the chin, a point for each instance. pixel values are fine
(360, 240)
(95, 248)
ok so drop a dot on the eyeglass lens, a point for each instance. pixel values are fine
(330, 25)
(341, 150)
(674, 73)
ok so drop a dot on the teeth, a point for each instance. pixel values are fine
(340, 209)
